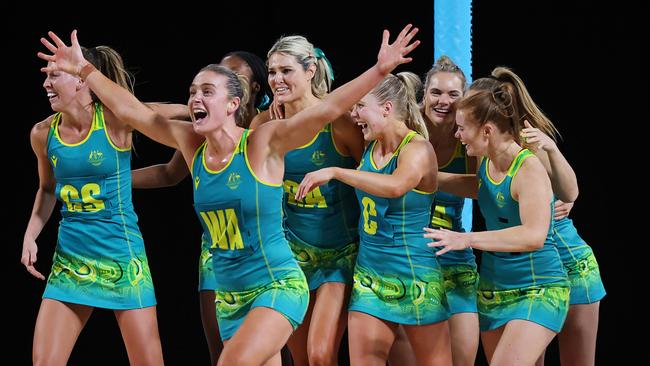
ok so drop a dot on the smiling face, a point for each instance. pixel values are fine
(441, 94)
(209, 103)
(471, 134)
(370, 116)
(288, 80)
(61, 89)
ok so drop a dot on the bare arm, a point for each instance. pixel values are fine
(161, 175)
(531, 187)
(43, 202)
(171, 110)
(407, 176)
(348, 137)
(121, 102)
(260, 119)
(286, 135)
(563, 178)
(461, 185)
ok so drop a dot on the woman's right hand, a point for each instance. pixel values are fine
(392, 55)
(63, 58)
(29, 258)
(276, 110)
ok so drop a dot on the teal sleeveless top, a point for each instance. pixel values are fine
(500, 270)
(327, 217)
(242, 220)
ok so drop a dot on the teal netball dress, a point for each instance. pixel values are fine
(252, 263)
(397, 277)
(458, 266)
(520, 285)
(322, 227)
(206, 272)
(579, 262)
(100, 258)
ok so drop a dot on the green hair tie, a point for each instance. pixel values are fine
(320, 54)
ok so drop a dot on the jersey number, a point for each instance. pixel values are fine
(440, 218)
(70, 195)
(313, 199)
(369, 226)
(224, 229)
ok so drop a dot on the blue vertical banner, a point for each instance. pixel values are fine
(452, 36)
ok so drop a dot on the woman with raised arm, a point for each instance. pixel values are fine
(237, 182)
(322, 228)
(84, 160)
(171, 173)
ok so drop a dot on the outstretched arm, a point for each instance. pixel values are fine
(563, 178)
(286, 135)
(161, 175)
(407, 176)
(120, 101)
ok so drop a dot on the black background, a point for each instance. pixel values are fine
(580, 60)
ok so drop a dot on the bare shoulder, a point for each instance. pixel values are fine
(40, 129)
(260, 119)
(420, 144)
(532, 168)
(531, 177)
(418, 150)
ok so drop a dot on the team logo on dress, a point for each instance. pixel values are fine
(54, 160)
(96, 157)
(196, 182)
(318, 158)
(234, 180)
(500, 200)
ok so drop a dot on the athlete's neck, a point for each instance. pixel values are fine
(298, 105)
(222, 142)
(502, 155)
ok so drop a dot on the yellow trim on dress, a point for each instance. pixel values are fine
(250, 169)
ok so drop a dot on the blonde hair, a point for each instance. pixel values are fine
(401, 89)
(306, 55)
(109, 63)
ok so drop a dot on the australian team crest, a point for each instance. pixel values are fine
(318, 158)
(96, 157)
(500, 200)
(234, 180)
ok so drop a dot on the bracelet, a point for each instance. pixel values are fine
(86, 70)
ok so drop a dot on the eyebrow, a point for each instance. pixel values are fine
(202, 85)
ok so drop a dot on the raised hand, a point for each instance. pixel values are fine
(536, 139)
(449, 240)
(28, 258)
(312, 180)
(392, 55)
(63, 58)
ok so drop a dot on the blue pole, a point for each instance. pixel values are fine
(452, 36)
